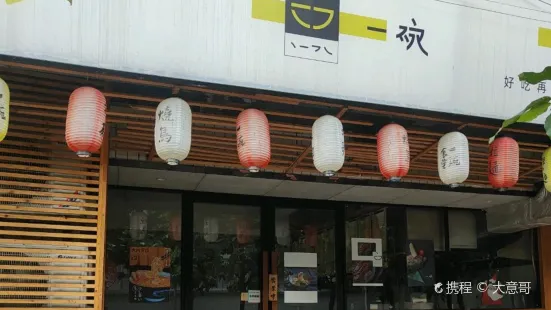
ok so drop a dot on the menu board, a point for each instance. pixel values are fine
(149, 274)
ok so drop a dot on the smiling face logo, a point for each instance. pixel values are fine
(312, 29)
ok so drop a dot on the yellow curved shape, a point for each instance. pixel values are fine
(331, 14)
(546, 168)
(295, 15)
(4, 109)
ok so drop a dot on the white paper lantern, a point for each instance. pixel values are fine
(210, 229)
(138, 225)
(453, 158)
(328, 145)
(173, 130)
(282, 232)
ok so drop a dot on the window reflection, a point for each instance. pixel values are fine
(143, 250)
(226, 256)
(477, 267)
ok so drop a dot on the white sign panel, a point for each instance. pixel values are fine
(300, 278)
(459, 56)
(254, 296)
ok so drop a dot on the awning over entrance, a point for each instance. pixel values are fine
(231, 184)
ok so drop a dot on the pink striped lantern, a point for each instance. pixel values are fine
(253, 139)
(85, 123)
(503, 163)
(393, 151)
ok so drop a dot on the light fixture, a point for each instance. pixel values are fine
(328, 145)
(453, 158)
(173, 130)
(503, 163)
(253, 139)
(85, 124)
(393, 152)
(4, 109)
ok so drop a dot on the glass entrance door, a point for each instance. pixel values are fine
(238, 250)
(226, 257)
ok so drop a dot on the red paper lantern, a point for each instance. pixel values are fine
(503, 163)
(393, 151)
(311, 235)
(243, 231)
(253, 139)
(176, 228)
(85, 123)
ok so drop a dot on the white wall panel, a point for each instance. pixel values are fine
(472, 45)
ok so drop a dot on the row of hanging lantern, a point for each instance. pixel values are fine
(173, 122)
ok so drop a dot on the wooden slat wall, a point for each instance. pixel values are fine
(52, 215)
(133, 100)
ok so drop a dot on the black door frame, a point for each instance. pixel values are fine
(268, 206)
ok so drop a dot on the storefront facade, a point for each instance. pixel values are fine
(233, 248)
(122, 229)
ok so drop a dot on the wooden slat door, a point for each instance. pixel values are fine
(52, 216)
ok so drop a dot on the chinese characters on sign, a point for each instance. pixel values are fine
(165, 117)
(312, 29)
(315, 47)
(2, 109)
(494, 164)
(449, 158)
(509, 83)
(412, 35)
(273, 287)
(164, 136)
(457, 288)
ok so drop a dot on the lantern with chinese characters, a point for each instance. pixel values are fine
(282, 232)
(85, 123)
(4, 109)
(176, 228)
(503, 163)
(210, 229)
(253, 139)
(173, 130)
(243, 231)
(328, 145)
(311, 235)
(138, 225)
(546, 168)
(393, 152)
(453, 158)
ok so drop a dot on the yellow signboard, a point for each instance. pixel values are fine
(349, 24)
(544, 37)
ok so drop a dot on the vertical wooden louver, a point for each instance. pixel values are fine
(51, 216)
